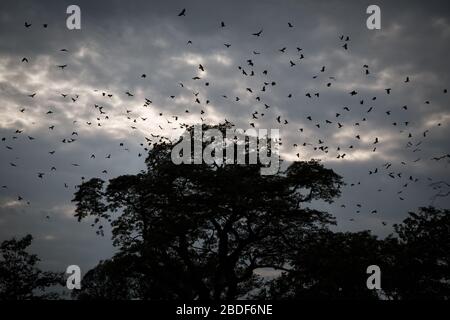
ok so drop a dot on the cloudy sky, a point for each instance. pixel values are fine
(120, 41)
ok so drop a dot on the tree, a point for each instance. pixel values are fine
(114, 279)
(420, 252)
(201, 231)
(20, 279)
(414, 262)
(329, 265)
(207, 231)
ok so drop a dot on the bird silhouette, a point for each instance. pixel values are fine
(257, 34)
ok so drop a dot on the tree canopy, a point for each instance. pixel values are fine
(20, 278)
(213, 232)
(201, 231)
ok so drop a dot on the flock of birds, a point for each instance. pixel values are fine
(249, 69)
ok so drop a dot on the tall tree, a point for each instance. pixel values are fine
(202, 231)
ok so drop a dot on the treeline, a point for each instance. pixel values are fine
(223, 232)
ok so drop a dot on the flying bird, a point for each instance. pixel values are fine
(257, 34)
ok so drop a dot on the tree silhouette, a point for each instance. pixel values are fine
(414, 262)
(201, 231)
(114, 279)
(214, 231)
(329, 265)
(420, 254)
(20, 279)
